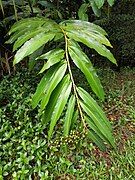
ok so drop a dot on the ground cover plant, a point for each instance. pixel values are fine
(25, 152)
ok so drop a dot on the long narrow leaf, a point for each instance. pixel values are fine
(25, 37)
(69, 115)
(93, 136)
(93, 105)
(52, 83)
(41, 86)
(29, 22)
(83, 63)
(53, 56)
(58, 109)
(83, 25)
(32, 45)
(92, 43)
(46, 117)
(99, 123)
(95, 129)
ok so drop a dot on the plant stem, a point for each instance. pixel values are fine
(72, 79)
(16, 17)
(2, 9)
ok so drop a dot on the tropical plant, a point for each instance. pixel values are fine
(57, 88)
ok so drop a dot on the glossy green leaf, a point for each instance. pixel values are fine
(83, 63)
(95, 8)
(25, 37)
(94, 128)
(99, 123)
(52, 83)
(46, 117)
(32, 45)
(27, 23)
(92, 43)
(17, 35)
(93, 136)
(59, 107)
(82, 25)
(93, 105)
(53, 56)
(41, 86)
(82, 12)
(69, 115)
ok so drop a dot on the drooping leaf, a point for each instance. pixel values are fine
(46, 117)
(82, 12)
(99, 123)
(58, 109)
(32, 45)
(69, 115)
(44, 84)
(25, 37)
(93, 105)
(92, 43)
(83, 63)
(95, 8)
(82, 25)
(53, 56)
(16, 35)
(27, 23)
(52, 83)
(93, 136)
(96, 130)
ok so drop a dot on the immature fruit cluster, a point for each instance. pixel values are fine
(71, 140)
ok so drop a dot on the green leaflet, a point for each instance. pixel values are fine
(46, 117)
(82, 12)
(97, 131)
(45, 83)
(93, 136)
(69, 115)
(53, 56)
(99, 123)
(25, 37)
(16, 35)
(27, 23)
(59, 107)
(83, 63)
(32, 45)
(110, 2)
(52, 83)
(92, 43)
(99, 3)
(41, 86)
(93, 105)
(82, 25)
(98, 37)
(33, 56)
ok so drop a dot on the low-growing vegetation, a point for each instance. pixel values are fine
(26, 154)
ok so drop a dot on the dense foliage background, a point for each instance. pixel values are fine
(24, 149)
